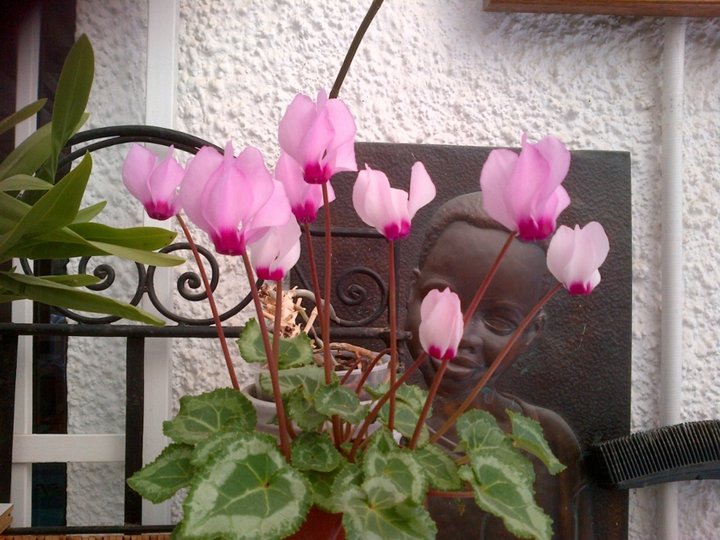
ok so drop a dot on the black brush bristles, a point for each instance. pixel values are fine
(689, 451)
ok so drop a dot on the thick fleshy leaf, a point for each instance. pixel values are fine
(59, 294)
(439, 467)
(55, 209)
(247, 491)
(362, 520)
(294, 352)
(300, 408)
(334, 399)
(71, 95)
(502, 482)
(20, 182)
(161, 479)
(315, 452)
(26, 112)
(311, 378)
(528, 435)
(200, 416)
(205, 449)
(409, 481)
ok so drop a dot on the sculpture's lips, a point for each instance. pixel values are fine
(460, 367)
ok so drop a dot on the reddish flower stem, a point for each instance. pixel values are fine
(475, 302)
(393, 330)
(325, 318)
(272, 362)
(313, 270)
(366, 374)
(431, 395)
(211, 301)
(495, 365)
(370, 418)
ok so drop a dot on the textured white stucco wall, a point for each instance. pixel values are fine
(448, 73)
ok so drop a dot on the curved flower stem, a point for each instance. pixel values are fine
(393, 330)
(313, 270)
(495, 365)
(272, 361)
(211, 301)
(475, 302)
(350, 54)
(325, 315)
(431, 396)
(370, 418)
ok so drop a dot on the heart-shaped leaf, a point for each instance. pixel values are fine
(333, 399)
(528, 435)
(315, 452)
(171, 471)
(478, 430)
(294, 352)
(439, 467)
(398, 467)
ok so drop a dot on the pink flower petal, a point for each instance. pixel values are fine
(558, 158)
(422, 189)
(496, 171)
(199, 171)
(297, 119)
(136, 171)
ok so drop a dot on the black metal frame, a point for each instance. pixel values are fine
(189, 287)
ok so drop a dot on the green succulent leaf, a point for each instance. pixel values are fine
(294, 352)
(21, 182)
(171, 471)
(301, 409)
(55, 209)
(71, 95)
(502, 481)
(29, 155)
(247, 491)
(223, 409)
(26, 112)
(315, 452)
(56, 292)
(89, 213)
(528, 435)
(333, 399)
(478, 430)
(364, 521)
(310, 378)
(401, 469)
(439, 467)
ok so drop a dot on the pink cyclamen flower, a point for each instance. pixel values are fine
(523, 192)
(319, 137)
(154, 182)
(390, 210)
(233, 199)
(441, 324)
(277, 251)
(574, 256)
(305, 199)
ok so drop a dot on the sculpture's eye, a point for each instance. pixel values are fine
(502, 322)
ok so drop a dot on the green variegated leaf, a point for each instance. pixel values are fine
(294, 352)
(381, 441)
(321, 484)
(26, 112)
(478, 430)
(401, 468)
(200, 416)
(382, 492)
(363, 521)
(528, 435)
(333, 399)
(440, 468)
(315, 452)
(502, 481)
(57, 293)
(21, 182)
(311, 378)
(406, 418)
(350, 475)
(203, 451)
(171, 471)
(247, 491)
(413, 396)
(300, 407)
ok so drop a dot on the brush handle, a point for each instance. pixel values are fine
(689, 451)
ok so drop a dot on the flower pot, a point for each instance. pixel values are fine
(320, 525)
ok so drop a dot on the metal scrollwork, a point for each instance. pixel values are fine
(351, 293)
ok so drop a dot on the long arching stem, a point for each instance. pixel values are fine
(393, 330)
(495, 365)
(211, 301)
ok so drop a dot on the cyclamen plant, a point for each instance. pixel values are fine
(245, 484)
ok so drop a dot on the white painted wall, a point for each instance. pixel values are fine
(448, 73)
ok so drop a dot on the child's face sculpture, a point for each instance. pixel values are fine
(460, 258)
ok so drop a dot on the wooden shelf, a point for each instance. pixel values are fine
(667, 8)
